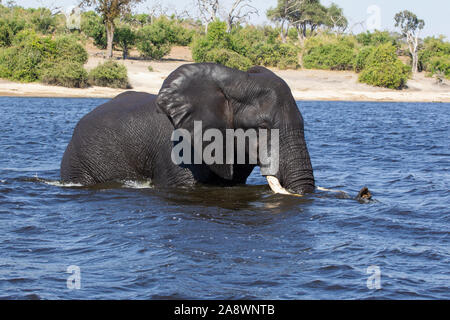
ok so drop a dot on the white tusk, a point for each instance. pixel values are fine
(276, 187)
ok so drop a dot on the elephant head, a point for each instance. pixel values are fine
(225, 98)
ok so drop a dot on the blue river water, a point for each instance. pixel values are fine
(132, 241)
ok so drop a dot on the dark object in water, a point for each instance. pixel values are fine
(364, 194)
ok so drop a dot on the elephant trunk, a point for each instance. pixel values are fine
(295, 172)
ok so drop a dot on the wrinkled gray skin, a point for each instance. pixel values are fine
(129, 136)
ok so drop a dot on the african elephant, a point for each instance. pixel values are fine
(129, 137)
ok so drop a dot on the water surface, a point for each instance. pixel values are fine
(133, 241)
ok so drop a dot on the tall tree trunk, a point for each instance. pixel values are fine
(229, 23)
(301, 33)
(415, 63)
(413, 42)
(109, 39)
(283, 38)
(125, 52)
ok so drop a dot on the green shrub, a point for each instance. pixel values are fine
(361, 58)
(92, 26)
(228, 58)
(9, 27)
(109, 74)
(329, 53)
(67, 74)
(124, 38)
(33, 58)
(174, 31)
(293, 34)
(376, 38)
(254, 46)
(241, 39)
(432, 47)
(6, 34)
(142, 19)
(200, 47)
(440, 65)
(216, 38)
(277, 54)
(43, 20)
(153, 42)
(68, 48)
(8, 59)
(384, 69)
(28, 56)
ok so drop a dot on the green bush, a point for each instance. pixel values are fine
(329, 53)
(376, 38)
(92, 26)
(361, 58)
(68, 48)
(432, 47)
(153, 42)
(228, 58)
(109, 74)
(43, 20)
(32, 56)
(384, 69)
(8, 59)
(174, 31)
(5, 34)
(28, 56)
(440, 65)
(67, 74)
(241, 39)
(281, 55)
(124, 38)
(293, 34)
(253, 45)
(9, 27)
(216, 38)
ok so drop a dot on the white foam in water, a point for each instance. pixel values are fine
(61, 184)
(127, 183)
(329, 190)
(138, 184)
(57, 183)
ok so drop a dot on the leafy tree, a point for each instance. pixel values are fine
(330, 53)
(335, 19)
(433, 47)
(280, 14)
(43, 20)
(6, 34)
(110, 10)
(92, 25)
(124, 38)
(306, 16)
(410, 26)
(153, 41)
(376, 38)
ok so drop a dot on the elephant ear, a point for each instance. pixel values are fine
(198, 92)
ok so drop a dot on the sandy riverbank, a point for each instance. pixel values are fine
(305, 84)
